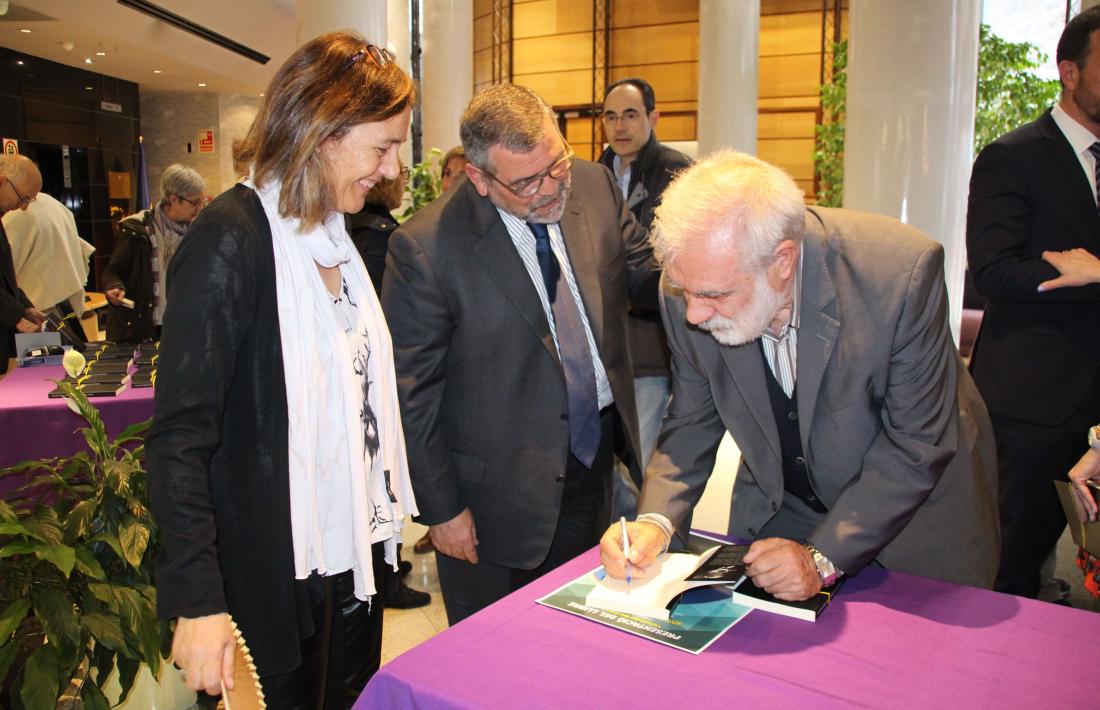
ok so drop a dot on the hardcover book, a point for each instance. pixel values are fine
(749, 594)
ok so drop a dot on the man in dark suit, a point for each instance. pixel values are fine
(819, 339)
(643, 167)
(20, 182)
(507, 299)
(1037, 357)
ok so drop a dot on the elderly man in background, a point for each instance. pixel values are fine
(20, 182)
(818, 338)
(50, 258)
(134, 280)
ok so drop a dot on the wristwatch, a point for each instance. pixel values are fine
(1094, 437)
(825, 568)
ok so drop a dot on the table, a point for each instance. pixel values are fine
(889, 640)
(32, 426)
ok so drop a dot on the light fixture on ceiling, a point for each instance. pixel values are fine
(87, 60)
(24, 30)
(101, 54)
(19, 62)
(67, 45)
(157, 71)
(202, 84)
(88, 88)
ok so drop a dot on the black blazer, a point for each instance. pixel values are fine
(131, 269)
(482, 392)
(217, 451)
(13, 302)
(1037, 352)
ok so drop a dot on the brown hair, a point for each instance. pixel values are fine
(325, 88)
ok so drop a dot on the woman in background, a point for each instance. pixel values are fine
(277, 463)
(134, 278)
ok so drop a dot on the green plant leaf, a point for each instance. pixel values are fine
(103, 661)
(107, 630)
(88, 565)
(40, 674)
(6, 513)
(133, 536)
(112, 541)
(44, 525)
(134, 432)
(19, 548)
(57, 614)
(127, 671)
(78, 523)
(62, 557)
(93, 697)
(10, 619)
(8, 652)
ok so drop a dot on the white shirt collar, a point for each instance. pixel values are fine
(1079, 137)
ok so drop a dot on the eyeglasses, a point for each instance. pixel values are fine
(528, 187)
(406, 173)
(22, 200)
(197, 202)
(379, 56)
(627, 116)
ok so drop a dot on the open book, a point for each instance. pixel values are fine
(669, 576)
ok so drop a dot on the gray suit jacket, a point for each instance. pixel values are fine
(897, 439)
(482, 390)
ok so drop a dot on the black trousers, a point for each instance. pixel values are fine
(342, 652)
(583, 517)
(1029, 457)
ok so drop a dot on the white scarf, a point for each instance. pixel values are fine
(315, 361)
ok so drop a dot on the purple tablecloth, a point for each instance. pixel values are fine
(889, 640)
(32, 426)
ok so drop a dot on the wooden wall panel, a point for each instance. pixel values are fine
(670, 82)
(563, 88)
(778, 7)
(795, 155)
(795, 33)
(791, 75)
(677, 42)
(483, 33)
(676, 127)
(792, 124)
(550, 17)
(632, 13)
(553, 53)
(483, 66)
(483, 7)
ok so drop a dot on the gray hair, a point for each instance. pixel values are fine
(506, 115)
(181, 181)
(741, 201)
(18, 167)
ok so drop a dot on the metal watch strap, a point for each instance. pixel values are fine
(825, 569)
(1094, 437)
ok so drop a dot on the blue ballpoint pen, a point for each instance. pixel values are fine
(626, 549)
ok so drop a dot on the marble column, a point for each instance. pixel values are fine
(447, 71)
(912, 78)
(728, 74)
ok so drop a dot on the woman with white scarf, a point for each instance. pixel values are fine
(276, 458)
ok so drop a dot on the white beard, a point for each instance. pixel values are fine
(752, 321)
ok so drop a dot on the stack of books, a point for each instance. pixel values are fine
(146, 363)
(106, 371)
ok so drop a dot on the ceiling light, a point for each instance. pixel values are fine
(157, 71)
(101, 54)
(88, 88)
(24, 30)
(87, 60)
(261, 95)
(19, 62)
(202, 84)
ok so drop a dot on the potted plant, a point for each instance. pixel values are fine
(76, 570)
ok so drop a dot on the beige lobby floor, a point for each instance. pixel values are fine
(403, 629)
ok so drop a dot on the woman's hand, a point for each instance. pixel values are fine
(203, 648)
(1087, 469)
(115, 295)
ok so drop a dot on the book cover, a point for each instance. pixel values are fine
(749, 594)
(702, 616)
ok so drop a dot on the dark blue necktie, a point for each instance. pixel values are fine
(576, 356)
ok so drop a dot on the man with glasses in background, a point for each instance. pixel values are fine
(21, 182)
(643, 168)
(507, 300)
